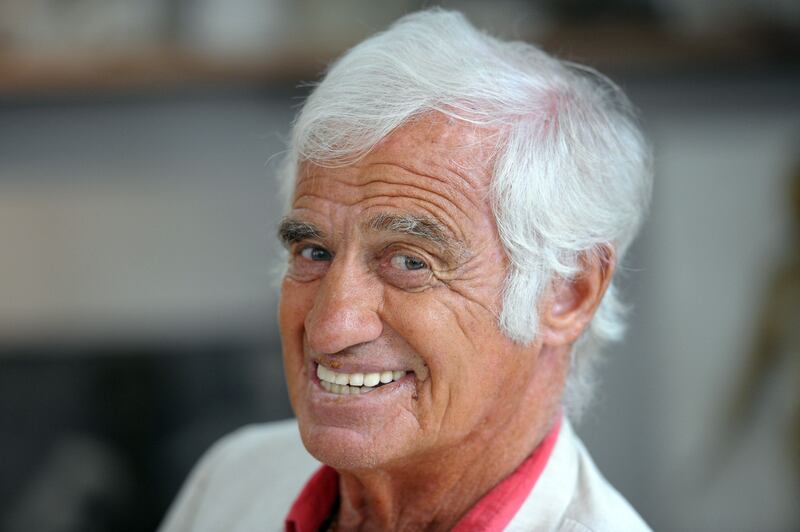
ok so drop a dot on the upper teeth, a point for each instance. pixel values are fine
(353, 382)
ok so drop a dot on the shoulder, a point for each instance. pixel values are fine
(596, 506)
(246, 481)
(571, 495)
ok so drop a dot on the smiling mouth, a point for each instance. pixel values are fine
(355, 383)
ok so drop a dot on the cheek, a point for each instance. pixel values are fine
(295, 300)
(295, 303)
(452, 340)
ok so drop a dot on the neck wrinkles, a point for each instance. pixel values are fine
(435, 493)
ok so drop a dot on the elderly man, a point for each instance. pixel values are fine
(457, 207)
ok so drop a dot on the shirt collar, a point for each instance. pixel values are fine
(493, 511)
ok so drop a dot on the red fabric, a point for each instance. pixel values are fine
(492, 512)
(314, 504)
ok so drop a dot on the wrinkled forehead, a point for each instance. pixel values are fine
(434, 145)
(444, 140)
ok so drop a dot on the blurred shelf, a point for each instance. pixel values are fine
(609, 46)
(650, 48)
(165, 67)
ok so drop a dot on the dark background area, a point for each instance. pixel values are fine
(113, 429)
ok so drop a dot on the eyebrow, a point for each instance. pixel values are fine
(419, 226)
(292, 230)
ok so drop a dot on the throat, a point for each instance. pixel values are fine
(423, 501)
(435, 493)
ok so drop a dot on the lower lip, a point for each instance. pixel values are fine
(324, 409)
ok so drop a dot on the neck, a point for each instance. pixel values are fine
(434, 492)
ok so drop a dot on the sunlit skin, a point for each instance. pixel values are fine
(361, 297)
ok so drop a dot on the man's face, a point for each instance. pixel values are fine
(396, 269)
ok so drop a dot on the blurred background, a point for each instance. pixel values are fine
(137, 221)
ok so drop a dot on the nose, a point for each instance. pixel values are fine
(345, 310)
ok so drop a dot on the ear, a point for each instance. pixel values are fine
(569, 304)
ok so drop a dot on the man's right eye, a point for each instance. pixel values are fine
(315, 253)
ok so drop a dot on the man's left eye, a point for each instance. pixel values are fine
(405, 262)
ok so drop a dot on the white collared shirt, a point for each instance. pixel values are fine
(249, 479)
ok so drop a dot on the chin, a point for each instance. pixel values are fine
(349, 449)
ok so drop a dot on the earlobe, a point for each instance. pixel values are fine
(569, 305)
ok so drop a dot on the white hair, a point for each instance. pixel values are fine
(572, 171)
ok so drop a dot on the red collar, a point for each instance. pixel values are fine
(492, 512)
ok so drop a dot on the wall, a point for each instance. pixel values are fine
(152, 217)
